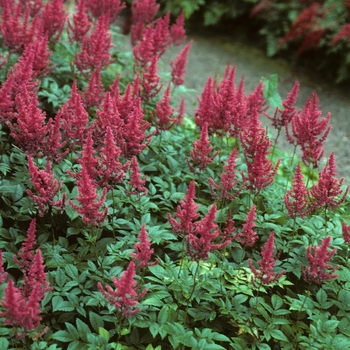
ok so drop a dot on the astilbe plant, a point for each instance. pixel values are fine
(95, 49)
(228, 181)
(21, 306)
(46, 188)
(247, 237)
(80, 24)
(318, 258)
(150, 80)
(200, 241)
(179, 65)
(30, 128)
(142, 250)
(99, 8)
(125, 297)
(346, 232)
(265, 273)
(326, 192)
(201, 151)
(309, 132)
(256, 145)
(89, 208)
(296, 199)
(186, 212)
(54, 18)
(136, 182)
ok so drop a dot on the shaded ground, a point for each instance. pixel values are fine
(211, 53)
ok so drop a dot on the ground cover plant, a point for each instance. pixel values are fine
(127, 224)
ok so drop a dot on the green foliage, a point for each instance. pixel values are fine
(213, 304)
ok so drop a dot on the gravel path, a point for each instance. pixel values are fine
(209, 56)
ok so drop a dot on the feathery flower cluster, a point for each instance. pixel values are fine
(256, 145)
(296, 199)
(124, 298)
(308, 132)
(247, 237)
(74, 118)
(95, 49)
(283, 117)
(46, 187)
(111, 8)
(89, 208)
(164, 111)
(179, 65)
(136, 182)
(226, 108)
(143, 251)
(150, 80)
(186, 212)
(22, 305)
(318, 257)
(201, 149)
(228, 180)
(328, 188)
(346, 232)
(54, 18)
(30, 129)
(267, 263)
(81, 23)
(344, 32)
(200, 240)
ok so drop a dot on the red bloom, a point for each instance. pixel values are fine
(124, 298)
(318, 256)
(179, 66)
(135, 179)
(144, 10)
(247, 236)
(344, 32)
(256, 145)
(177, 31)
(74, 117)
(186, 212)
(201, 150)
(228, 180)
(89, 209)
(328, 188)
(30, 129)
(111, 8)
(283, 117)
(81, 23)
(143, 251)
(266, 265)
(54, 17)
(164, 112)
(95, 49)
(296, 199)
(309, 132)
(46, 187)
(345, 231)
(94, 90)
(150, 80)
(200, 239)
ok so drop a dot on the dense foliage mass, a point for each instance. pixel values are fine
(315, 34)
(127, 224)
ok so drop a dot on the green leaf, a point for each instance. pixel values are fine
(277, 334)
(60, 278)
(163, 314)
(321, 296)
(103, 333)
(58, 304)
(96, 321)
(4, 343)
(83, 329)
(72, 271)
(63, 336)
(276, 301)
(154, 301)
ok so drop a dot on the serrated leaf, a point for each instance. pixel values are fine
(154, 301)
(60, 278)
(96, 321)
(277, 334)
(103, 333)
(4, 343)
(72, 271)
(58, 304)
(63, 336)
(321, 296)
(276, 302)
(83, 329)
